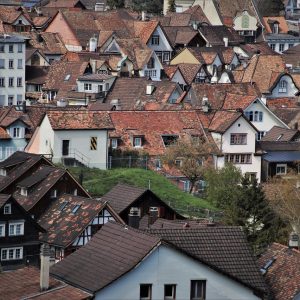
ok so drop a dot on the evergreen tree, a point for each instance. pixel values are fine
(150, 6)
(269, 8)
(172, 6)
(113, 4)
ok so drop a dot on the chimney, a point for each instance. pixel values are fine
(134, 217)
(24, 106)
(93, 44)
(45, 266)
(294, 240)
(143, 16)
(225, 40)
(116, 104)
(205, 104)
(149, 89)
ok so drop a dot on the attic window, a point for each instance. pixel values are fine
(67, 77)
(63, 205)
(169, 139)
(75, 209)
(2, 172)
(275, 28)
(7, 209)
(23, 191)
(137, 142)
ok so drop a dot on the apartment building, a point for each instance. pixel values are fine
(12, 70)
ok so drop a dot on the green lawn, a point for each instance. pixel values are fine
(99, 182)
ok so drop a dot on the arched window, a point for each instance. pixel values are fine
(245, 21)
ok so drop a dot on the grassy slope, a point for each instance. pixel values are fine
(99, 182)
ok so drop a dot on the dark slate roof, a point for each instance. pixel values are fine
(122, 195)
(280, 134)
(3, 199)
(113, 251)
(62, 225)
(224, 249)
(282, 156)
(21, 166)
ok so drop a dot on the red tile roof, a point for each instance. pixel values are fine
(283, 26)
(25, 283)
(222, 120)
(68, 120)
(283, 275)
(152, 125)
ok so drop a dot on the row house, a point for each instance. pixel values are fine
(166, 263)
(19, 234)
(73, 137)
(12, 66)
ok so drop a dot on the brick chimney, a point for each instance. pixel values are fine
(45, 266)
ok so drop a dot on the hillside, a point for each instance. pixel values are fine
(99, 182)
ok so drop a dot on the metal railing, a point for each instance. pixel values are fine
(77, 155)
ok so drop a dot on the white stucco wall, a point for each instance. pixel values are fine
(238, 22)
(95, 84)
(157, 67)
(269, 119)
(164, 45)
(177, 77)
(223, 142)
(291, 89)
(168, 266)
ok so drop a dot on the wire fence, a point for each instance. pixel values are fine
(129, 162)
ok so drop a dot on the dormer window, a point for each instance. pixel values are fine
(17, 132)
(169, 139)
(7, 209)
(276, 28)
(2, 172)
(137, 142)
(151, 63)
(282, 86)
(23, 191)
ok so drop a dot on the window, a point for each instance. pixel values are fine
(258, 116)
(238, 158)
(150, 73)
(114, 143)
(19, 81)
(281, 169)
(137, 142)
(170, 291)
(275, 28)
(19, 99)
(11, 48)
(291, 45)
(106, 86)
(272, 46)
(16, 132)
(23, 191)
(155, 40)
(2, 82)
(11, 64)
(87, 86)
(75, 209)
(282, 86)
(249, 115)
(281, 47)
(151, 63)
(93, 143)
(245, 21)
(7, 209)
(2, 100)
(145, 291)
(186, 186)
(169, 139)
(198, 289)
(260, 135)
(10, 101)
(20, 64)
(166, 56)
(2, 230)
(16, 229)
(2, 63)
(100, 88)
(178, 163)
(12, 253)
(20, 48)
(10, 81)
(67, 78)
(2, 48)
(251, 176)
(238, 139)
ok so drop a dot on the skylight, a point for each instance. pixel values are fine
(67, 77)
(75, 209)
(63, 205)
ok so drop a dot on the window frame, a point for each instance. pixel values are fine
(7, 212)
(10, 63)
(155, 39)
(203, 287)
(238, 139)
(14, 225)
(7, 251)
(173, 287)
(114, 143)
(281, 166)
(10, 81)
(135, 144)
(238, 158)
(10, 48)
(2, 231)
(282, 86)
(2, 81)
(2, 63)
(87, 86)
(16, 132)
(149, 285)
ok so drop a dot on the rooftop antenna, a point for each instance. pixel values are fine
(149, 185)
